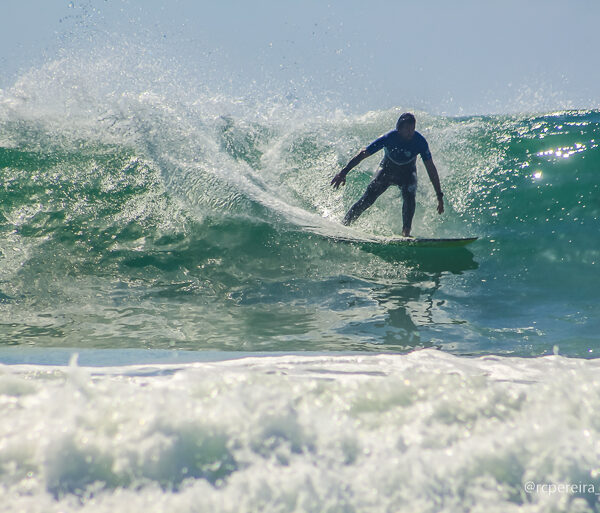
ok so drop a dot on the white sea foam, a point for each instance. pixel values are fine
(426, 431)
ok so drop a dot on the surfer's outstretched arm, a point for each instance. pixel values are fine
(340, 178)
(435, 181)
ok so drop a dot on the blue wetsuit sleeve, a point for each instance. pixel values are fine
(377, 145)
(425, 153)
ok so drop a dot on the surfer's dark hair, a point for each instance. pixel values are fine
(407, 117)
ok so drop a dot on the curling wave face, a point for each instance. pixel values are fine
(140, 218)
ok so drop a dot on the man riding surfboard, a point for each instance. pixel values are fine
(398, 167)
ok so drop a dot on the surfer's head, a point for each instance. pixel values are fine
(406, 125)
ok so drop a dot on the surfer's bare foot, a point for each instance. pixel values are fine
(405, 233)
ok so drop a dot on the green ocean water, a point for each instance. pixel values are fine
(163, 225)
(233, 356)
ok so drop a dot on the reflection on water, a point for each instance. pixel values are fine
(407, 306)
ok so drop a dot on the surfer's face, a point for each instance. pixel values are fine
(407, 130)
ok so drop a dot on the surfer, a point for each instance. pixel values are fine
(398, 167)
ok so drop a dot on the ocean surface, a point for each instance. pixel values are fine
(179, 331)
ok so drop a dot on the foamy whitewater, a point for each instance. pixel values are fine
(426, 431)
(234, 357)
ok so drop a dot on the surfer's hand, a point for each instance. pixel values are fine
(339, 179)
(440, 207)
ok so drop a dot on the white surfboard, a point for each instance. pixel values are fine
(406, 241)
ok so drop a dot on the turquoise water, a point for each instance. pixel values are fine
(232, 356)
(160, 226)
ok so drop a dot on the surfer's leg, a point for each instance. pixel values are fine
(409, 203)
(375, 189)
